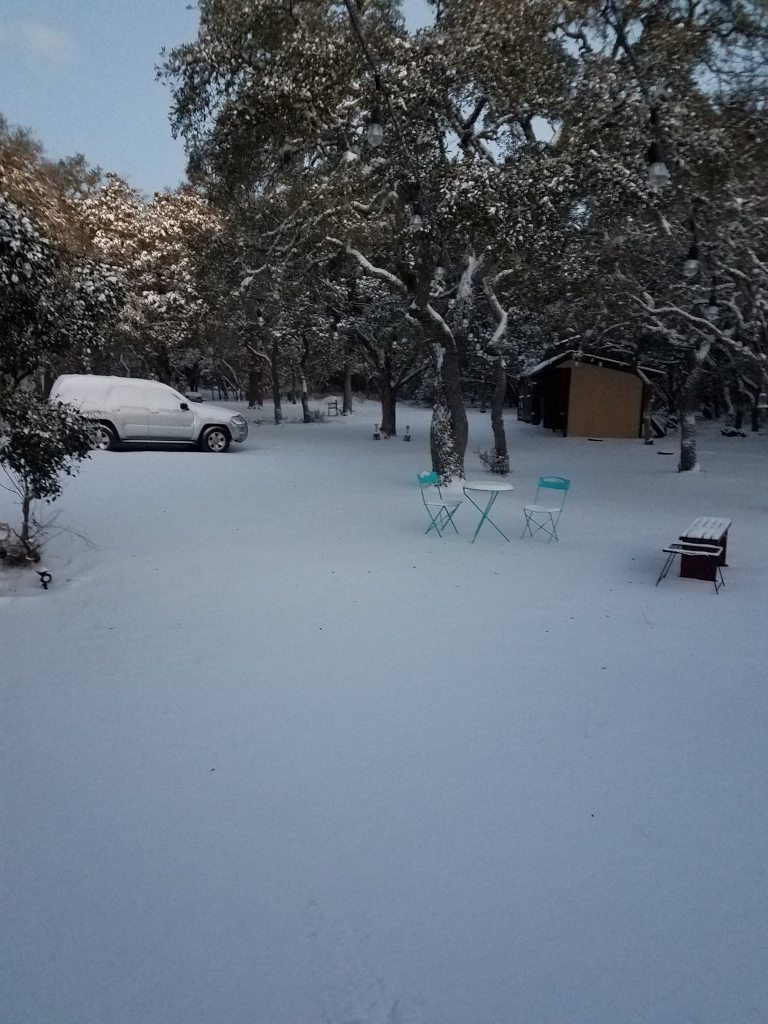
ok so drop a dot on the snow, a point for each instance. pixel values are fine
(272, 755)
(707, 528)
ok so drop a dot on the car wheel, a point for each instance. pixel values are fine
(105, 439)
(214, 439)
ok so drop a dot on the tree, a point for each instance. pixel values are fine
(55, 301)
(39, 442)
(158, 246)
(274, 100)
(673, 97)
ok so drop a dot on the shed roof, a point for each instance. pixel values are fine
(596, 360)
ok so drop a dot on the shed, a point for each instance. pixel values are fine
(586, 395)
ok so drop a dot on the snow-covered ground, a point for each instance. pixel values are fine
(271, 755)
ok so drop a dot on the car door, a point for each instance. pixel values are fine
(168, 416)
(127, 406)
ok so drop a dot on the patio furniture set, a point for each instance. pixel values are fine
(702, 546)
(441, 509)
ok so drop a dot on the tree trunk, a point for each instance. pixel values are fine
(347, 406)
(739, 406)
(276, 381)
(451, 375)
(26, 518)
(254, 385)
(303, 379)
(483, 396)
(500, 451)
(647, 422)
(388, 409)
(449, 429)
(729, 410)
(755, 413)
(688, 394)
(442, 443)
(292, 392)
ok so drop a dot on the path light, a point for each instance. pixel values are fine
(417, 215)
(375, 134)
(658, 172)
(762, 400)
(408, 431)
(691, 265)
(712, 309)
(376, 432)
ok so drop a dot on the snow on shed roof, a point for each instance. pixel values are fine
(588, 357)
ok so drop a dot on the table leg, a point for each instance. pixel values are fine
(485, 516)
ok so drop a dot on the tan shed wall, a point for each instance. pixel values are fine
(604, 402)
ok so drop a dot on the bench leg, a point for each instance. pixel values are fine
(666, 568)
(715, 564)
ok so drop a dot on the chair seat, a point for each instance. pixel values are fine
(446, 502)
(540, 508)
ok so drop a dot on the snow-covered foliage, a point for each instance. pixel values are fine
(39, 441)
(157, 245)
(277, 101)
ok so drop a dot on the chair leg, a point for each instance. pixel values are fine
(433, 525)
(527, 527)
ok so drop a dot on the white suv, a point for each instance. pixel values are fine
(129, 409)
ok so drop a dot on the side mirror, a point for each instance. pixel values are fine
(184, 406)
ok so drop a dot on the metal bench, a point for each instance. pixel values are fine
(703, 531)
(707, 557)
(335, 406)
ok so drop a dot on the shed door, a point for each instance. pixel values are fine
(556, 408)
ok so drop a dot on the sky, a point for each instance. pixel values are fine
(80, 74)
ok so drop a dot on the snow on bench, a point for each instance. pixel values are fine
(707, 528)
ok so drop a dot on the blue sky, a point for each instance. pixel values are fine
(80, 74)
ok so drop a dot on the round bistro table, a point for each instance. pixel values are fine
(493, 489)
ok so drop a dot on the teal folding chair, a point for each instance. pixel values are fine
(542, 517)
(440, 510)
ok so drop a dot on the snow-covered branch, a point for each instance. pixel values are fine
(368, 267)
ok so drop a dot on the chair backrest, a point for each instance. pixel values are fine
(559, 483)
(429, 480)
(556, 483)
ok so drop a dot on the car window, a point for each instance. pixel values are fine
(122, 396)
(163, 400)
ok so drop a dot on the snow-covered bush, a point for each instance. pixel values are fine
(39, 442)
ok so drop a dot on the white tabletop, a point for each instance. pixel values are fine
(486, 485)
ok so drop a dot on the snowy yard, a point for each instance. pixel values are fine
(270, 755)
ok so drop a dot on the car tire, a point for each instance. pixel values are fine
(106, 438)
(214, 439)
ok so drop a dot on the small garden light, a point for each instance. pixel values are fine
(658, 172)
(417, 215)
(713, 310)
(375, 133)
(691, 265)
